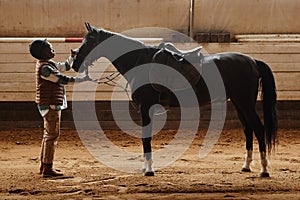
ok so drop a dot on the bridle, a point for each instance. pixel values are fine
(110, 80)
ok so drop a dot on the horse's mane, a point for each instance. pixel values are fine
(103, 34)
(102, 43)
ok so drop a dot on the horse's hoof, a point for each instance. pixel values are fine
(246, 169)
(264, 174)
(150, 173)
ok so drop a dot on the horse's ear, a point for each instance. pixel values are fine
(93, 29)
(88, 27)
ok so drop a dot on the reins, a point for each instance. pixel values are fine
(110, 81)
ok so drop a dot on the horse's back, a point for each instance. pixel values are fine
(238, 71)
(232, 65)
(228, 60)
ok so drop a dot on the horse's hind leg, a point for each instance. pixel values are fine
(259, 131)
(249, 145)
(248, 131)
(252, 119)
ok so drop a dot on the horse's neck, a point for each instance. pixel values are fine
(115, 48)
(131, 56)
(124, 52)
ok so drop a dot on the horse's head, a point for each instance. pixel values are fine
(90, 41)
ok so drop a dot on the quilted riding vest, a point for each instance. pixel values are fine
(47, 92)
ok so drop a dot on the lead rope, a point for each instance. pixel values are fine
(110, 80)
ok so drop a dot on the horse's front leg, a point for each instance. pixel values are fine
(147, 116)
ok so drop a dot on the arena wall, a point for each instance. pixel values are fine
(17, 85)
(55, 18)
(244, 17)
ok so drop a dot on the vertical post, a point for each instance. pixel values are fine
(191, 20)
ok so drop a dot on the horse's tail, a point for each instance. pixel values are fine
(269, 103)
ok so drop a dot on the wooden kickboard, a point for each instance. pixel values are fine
(17, 78)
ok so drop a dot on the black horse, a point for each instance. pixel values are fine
(241, 76)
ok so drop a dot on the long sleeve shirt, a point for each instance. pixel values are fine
(53, 75)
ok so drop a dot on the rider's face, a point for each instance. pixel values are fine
(49, 51)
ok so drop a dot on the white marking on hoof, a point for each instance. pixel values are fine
(248, 160)
(264, 164)
(147, 169)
